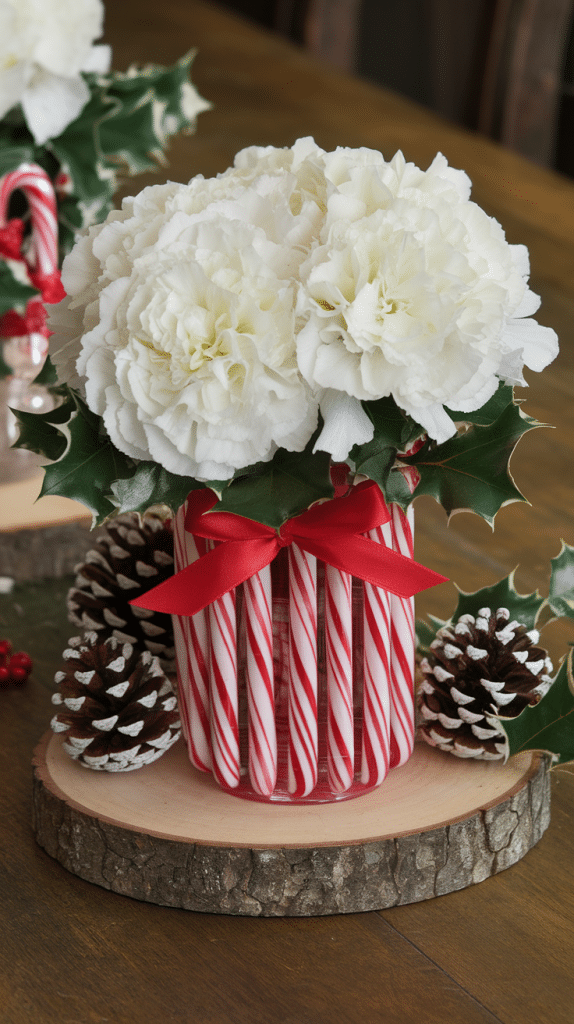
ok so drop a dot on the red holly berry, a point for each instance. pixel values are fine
(14, 668)
(18, 675)
(21, 660)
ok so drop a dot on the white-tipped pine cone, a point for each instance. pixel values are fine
(116, 707)
(480, 668)
(132, 555)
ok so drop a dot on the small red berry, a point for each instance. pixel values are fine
(4, 675)
(21, 660)
(18, 675)
(5, 650)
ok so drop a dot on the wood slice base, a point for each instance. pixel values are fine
(167, 834)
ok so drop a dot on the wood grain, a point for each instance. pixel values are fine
(167, 834)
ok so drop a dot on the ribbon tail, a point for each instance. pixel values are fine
(373, 562)
(209, 577)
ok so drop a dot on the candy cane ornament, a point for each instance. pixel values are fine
(41, 259)
(40, 263)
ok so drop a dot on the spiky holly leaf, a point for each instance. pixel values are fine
(561, 595)
(122, 130)
(279, 489)
(548, 725)
(152, 485)
(90, 465)
(522, 607)
(14, 294)
(5, 370)
(426, 632)
(77, 149)
(13, 154)
(149, 110)
(490, 411)
(394, 432)
(470, 472)
(41, 433)
(47, 376)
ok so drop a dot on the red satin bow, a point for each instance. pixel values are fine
(331, 531)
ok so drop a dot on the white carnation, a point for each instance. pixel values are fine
(179, 324)
(44, 45)
(207, 323)
(414, 292)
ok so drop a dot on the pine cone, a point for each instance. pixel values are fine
(116, 705)
(131, 556)
(480, 667)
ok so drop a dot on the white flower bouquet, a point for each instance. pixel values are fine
(301, 309)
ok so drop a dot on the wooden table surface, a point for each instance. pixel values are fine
(72, 953)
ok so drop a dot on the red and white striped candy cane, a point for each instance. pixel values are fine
(42, 256)
(338, 649)
(403, 649)
(403, 629)
(192, 649)
(223, 689)
(376, 675)
(260, 682)
(303, 732)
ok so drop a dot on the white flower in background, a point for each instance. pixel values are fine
(413, 292)
(44, 45)
(179, 325)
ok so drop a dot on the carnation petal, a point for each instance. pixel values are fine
(345, 423)
(98, 59)
(539, 344)
(434, 419)
(12, 84)
(51, 102)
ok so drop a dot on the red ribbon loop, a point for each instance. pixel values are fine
(332, 531)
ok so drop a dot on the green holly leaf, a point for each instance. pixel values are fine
(426, 632)
(522, 607)
(470, 472)
(41, 432)
(90, 465)
(13, 293)
(152, 485)
(281, 489)
(81, 158)
(5, 370)
(12, 154)
(548, 725)
(490, 411)
(561, 595)
(47, 376)
(129, 139)
(394, 432)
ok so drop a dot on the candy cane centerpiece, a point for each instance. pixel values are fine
(305, 749)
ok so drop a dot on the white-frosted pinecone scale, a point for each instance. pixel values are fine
(131, 556)
(116, 707)
(481, 667)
